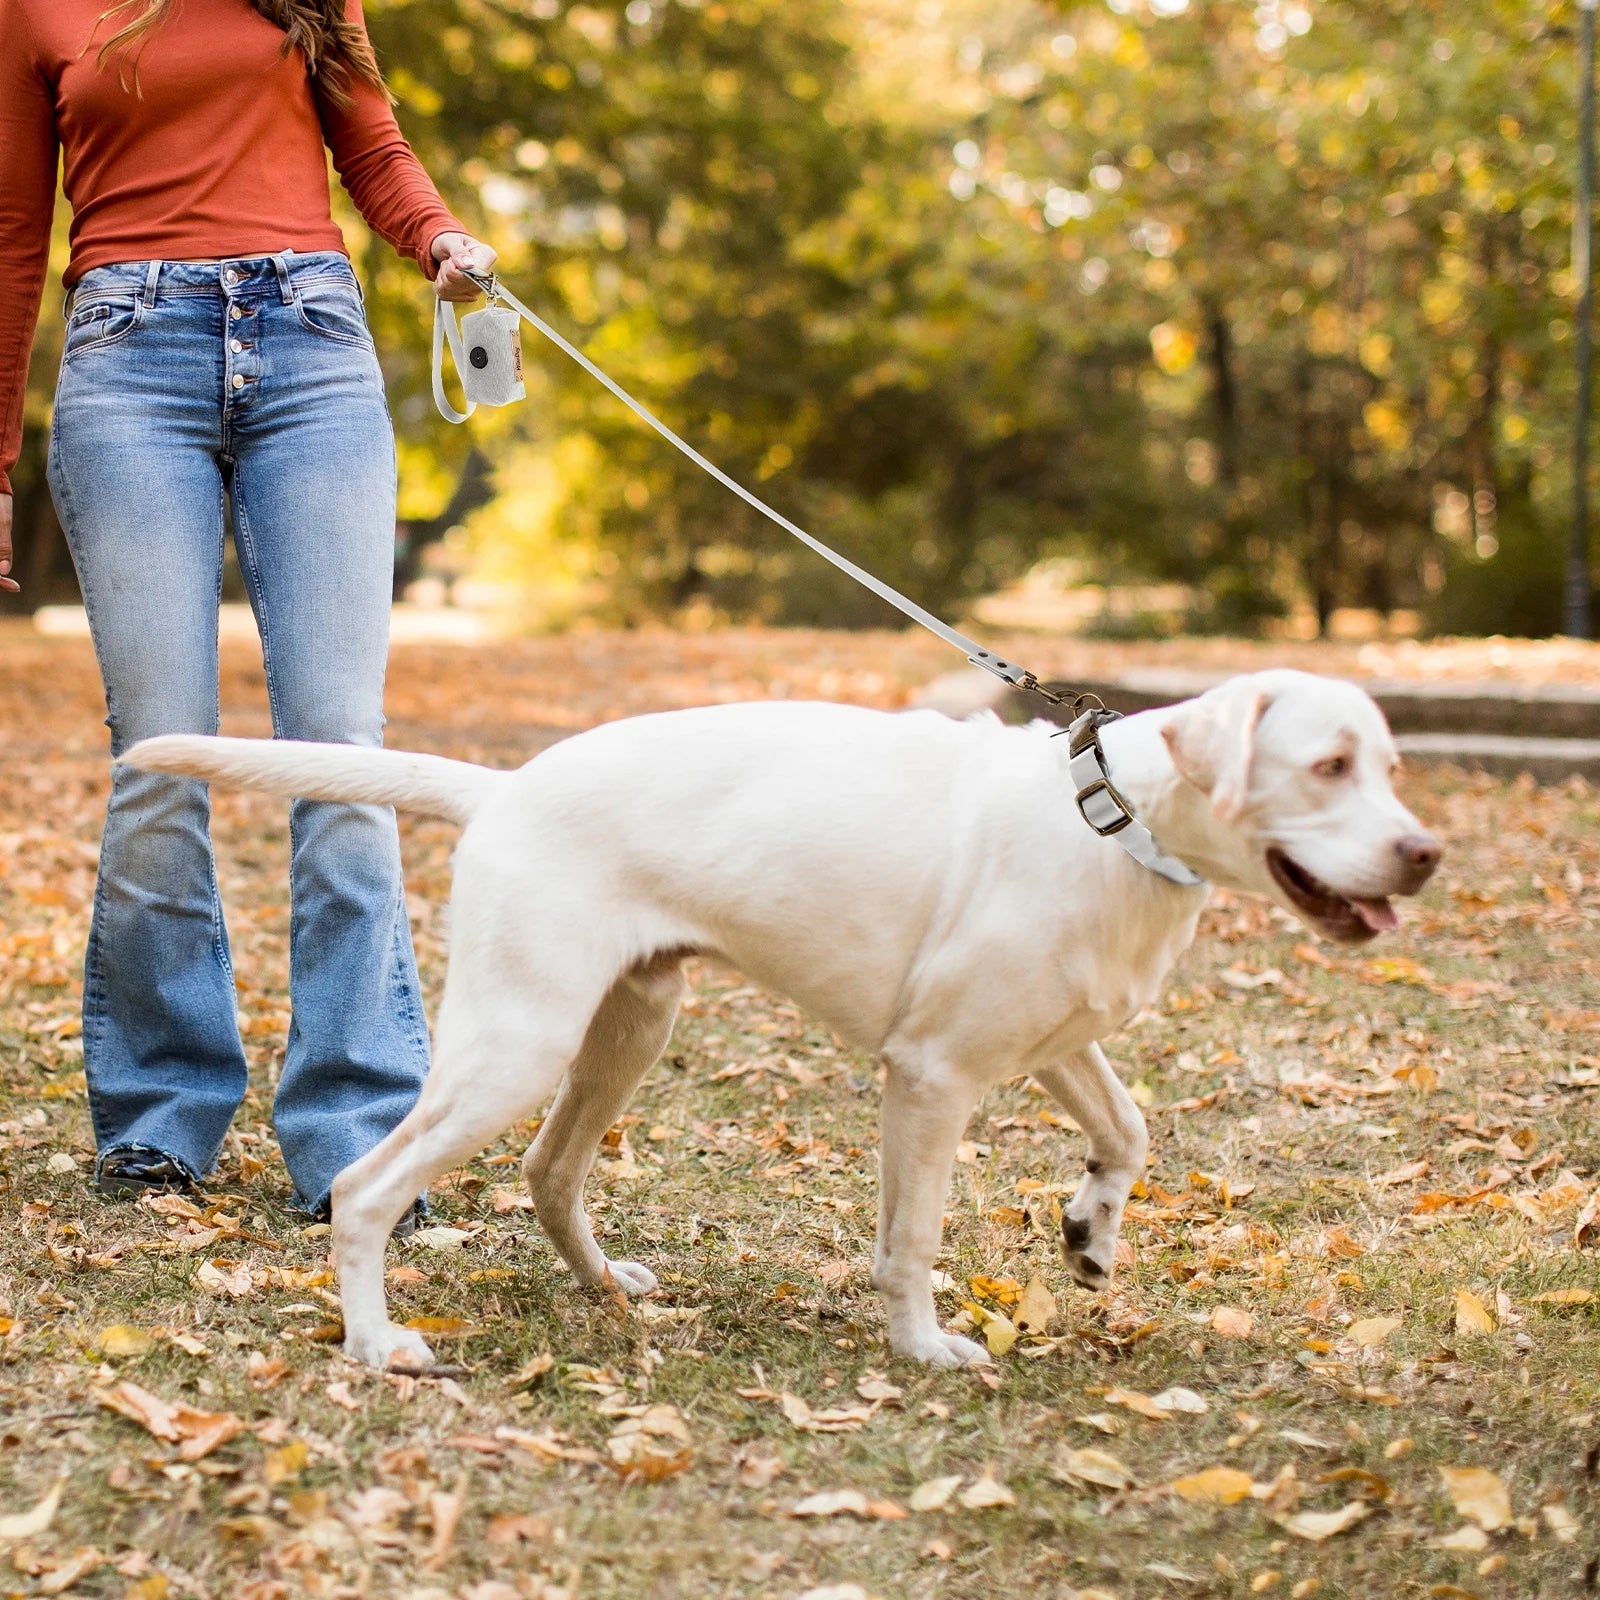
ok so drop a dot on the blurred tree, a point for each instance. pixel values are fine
(1267, 297)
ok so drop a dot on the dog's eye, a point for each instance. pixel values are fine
(1333, 767)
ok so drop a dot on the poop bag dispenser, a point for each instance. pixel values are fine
(491, 340)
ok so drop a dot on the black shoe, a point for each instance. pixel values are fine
(138, 1170)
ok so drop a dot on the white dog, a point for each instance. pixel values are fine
(925, 887)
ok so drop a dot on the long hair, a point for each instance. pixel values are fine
(336, 50)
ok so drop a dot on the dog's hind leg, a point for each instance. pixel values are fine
(496, 1059)
(926, 1105)
(625, 1039)
(1093, 1096)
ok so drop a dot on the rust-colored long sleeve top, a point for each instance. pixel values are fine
(217, 150)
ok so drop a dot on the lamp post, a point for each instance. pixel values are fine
(1575, 611)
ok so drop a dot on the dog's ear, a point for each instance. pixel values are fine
(1212, 743)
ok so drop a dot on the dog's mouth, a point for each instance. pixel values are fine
(1347, 918)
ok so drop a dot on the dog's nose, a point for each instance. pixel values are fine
(1419, 852)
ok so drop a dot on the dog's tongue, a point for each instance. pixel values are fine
(1377, 914)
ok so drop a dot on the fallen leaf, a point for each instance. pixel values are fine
(120, 1341)
(1141, 1404)
(1185, 1400)
(1216, 1486)
(1095, 1466)
(1469, 1538)
(1319, 1525)
(878, 1390)
(1586, 1230)
(840, 1419)
(1479, 1495)
(445, 1509)
(230, 1278)
(758, 1471)
(196, 1433)
(1232, 1322)
(1560, 1522)
(986, 1493)
(1472, 1315)
(1370, 1332)
(1409, 1173)
(517, 1528)
(440, 1237)
(78, 1565)
(287, 1461)
(29, 1524)
(443, 1327)
(1564, 1297)
(1037, 1308)
(831, 1503)
(935, 1494)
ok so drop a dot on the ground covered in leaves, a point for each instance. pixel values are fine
(1353, 1348)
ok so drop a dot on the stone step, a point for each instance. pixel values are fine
(1546, 711)
(1486, 727)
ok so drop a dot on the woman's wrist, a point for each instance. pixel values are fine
(459, 254)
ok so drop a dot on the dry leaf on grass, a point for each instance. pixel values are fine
(986, 1494)
(1472, 1315)
(120, 1341)
(230, 1278)
(1319, 1525)
(1140, 1404)
(1036, 1310)
(1232, 1322)
(1094, 1466)
(1560, 1522)
(934, 1495)
(29, 1524)
(877, 1390)
(78, 1565)
(1469, 1538)
(1371, 1332)
(1216, 1486)
(846, 1503)
(838, 1419)
(1586, 1230)
(1180, 1399)
(1479, 1495)
(1564, 1297)
(196, 1433)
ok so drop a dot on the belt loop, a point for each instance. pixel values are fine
(285, 287)
(151, 278)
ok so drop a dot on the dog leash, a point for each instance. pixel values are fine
(1102, 807)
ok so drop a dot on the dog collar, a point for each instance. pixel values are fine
(1105, 810)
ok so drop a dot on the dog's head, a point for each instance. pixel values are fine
(1299, 772)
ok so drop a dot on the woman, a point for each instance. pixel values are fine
(216, 349)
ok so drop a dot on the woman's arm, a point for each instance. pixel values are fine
(394, 195)
(27, 199)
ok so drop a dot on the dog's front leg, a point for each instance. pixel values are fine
(1093, 1096)
(925, 1111)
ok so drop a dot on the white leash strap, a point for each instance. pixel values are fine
(444, 325)
(1102, 807)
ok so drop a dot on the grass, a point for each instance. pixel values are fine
(1291, 1088)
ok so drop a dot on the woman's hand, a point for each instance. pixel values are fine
(6, 580)
(459, 254)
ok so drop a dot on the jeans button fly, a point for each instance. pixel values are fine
(236, 346)
(238, 380)
(230, 276)
(238, 311)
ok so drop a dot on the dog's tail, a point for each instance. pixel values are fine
(302, 770)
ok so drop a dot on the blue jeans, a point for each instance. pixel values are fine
(181, 386)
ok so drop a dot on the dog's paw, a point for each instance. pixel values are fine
(388, 1346)
(1087, 1268)
(629, 1277)
(946, 1350)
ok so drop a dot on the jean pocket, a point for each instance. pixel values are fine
(332, 309)
(95, 324)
